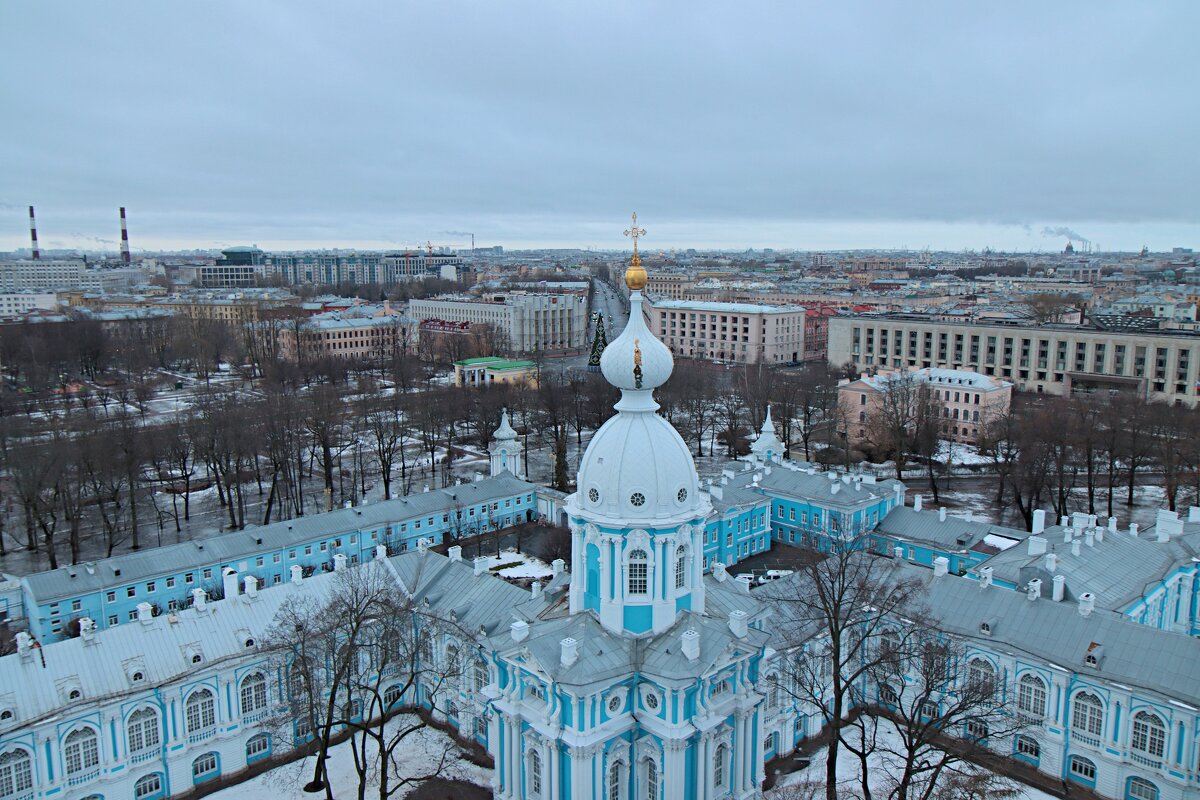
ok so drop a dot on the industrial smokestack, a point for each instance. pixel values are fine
(33, 234)
(124, 238)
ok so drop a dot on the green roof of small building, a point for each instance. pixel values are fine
(508, 366)
(481, 361)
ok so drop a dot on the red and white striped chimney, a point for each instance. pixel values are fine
(33, 234)
(124, 238)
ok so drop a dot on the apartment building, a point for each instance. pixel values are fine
(735, 332)
(360, 332)
(41, 274)
(967, 400)
(13, 303)
(530, 322)
(1055, 359)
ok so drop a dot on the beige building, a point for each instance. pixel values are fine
(528, 322)
(1056, 359)
(371, 333)
(737, 332)
(967, 401)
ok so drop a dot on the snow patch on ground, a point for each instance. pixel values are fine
(524, 566)
(880, 772)
(416, 755)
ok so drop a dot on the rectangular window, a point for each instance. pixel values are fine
(208, 574)
(76, 605)
(170, 583)
(308, 549)
(150, 586)
(188, 578)
(131, 591)
(275, 558)
(112, 620)
(258, 562)
(111, 597)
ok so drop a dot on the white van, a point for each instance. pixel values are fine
(774, 575)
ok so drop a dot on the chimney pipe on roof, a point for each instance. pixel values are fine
(455, 553)
(557, 567)
(381, 551)
(250, 586)
(1087, 603)
(339, 562)
(941, 566)
(570, 651)
(1193, 514)
(1034, 589)
(145, 613)
(87, 630)
(1075, 548)
(535, 589)
(1112, 524)
(1133, 529)
(297, 573)
(917, 500)
(691, 644)
(24, 640)
(985, 577)
(1089, 538)
(1051, 562)
(481, 566)
(1059, 589)
(200, 600)
(1039, 521)
(738, 623)
(519, 630)
(942, 514)
(230, 582)
(1037, 545)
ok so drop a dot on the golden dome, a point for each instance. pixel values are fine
(635, 275)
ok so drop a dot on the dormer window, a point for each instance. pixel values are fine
(138, 677)
(6, 715)
(196, 659)
(1091, 660)
(74, 694)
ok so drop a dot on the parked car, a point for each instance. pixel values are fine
(774, 575)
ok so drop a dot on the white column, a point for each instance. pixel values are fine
(744, 751)
(580, 778)
(550, 769)
(760, 734)
(701, 761)
(673, 767)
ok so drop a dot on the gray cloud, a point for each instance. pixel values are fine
(283, 121)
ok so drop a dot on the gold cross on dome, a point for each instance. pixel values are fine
(634, 233)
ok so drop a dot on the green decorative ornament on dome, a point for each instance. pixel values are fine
(599, 342)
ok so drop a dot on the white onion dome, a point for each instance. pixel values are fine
(505, 431)
(636, 361)
(637, 470)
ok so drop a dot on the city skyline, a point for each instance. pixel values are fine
(802, 127)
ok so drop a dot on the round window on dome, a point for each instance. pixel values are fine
(594, 495)
(681, 495)
(637, 499)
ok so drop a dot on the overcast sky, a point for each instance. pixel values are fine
(732, 124)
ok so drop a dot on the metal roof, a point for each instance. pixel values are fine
(77, 579)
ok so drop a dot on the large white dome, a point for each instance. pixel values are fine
(638, 469)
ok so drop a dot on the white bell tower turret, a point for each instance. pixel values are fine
(637, 516)
(506, 451)
(767, 446)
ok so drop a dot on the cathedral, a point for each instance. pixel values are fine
(638, 676)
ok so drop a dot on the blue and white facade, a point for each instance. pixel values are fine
(110, 590)
(647, 683)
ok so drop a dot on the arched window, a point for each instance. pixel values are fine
(81, 750)
(534, 779)
(452, 658)
(1029, 749)
(200, 711)
(254, 693)
(616, 780)
(889, 645)
(1087, 715)
(480, 675)
(391, 696)
(638, 572)
(680, 567)
(1081, 770)
(981, 675)
(148, 787)
(1149, 734)
(719, 766)
(651, 779)
(206, 767)
(1031, 696)
(142, 730)
(1141, 789)
(257, 747)
(16, 773)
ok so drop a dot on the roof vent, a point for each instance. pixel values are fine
(690, 640)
